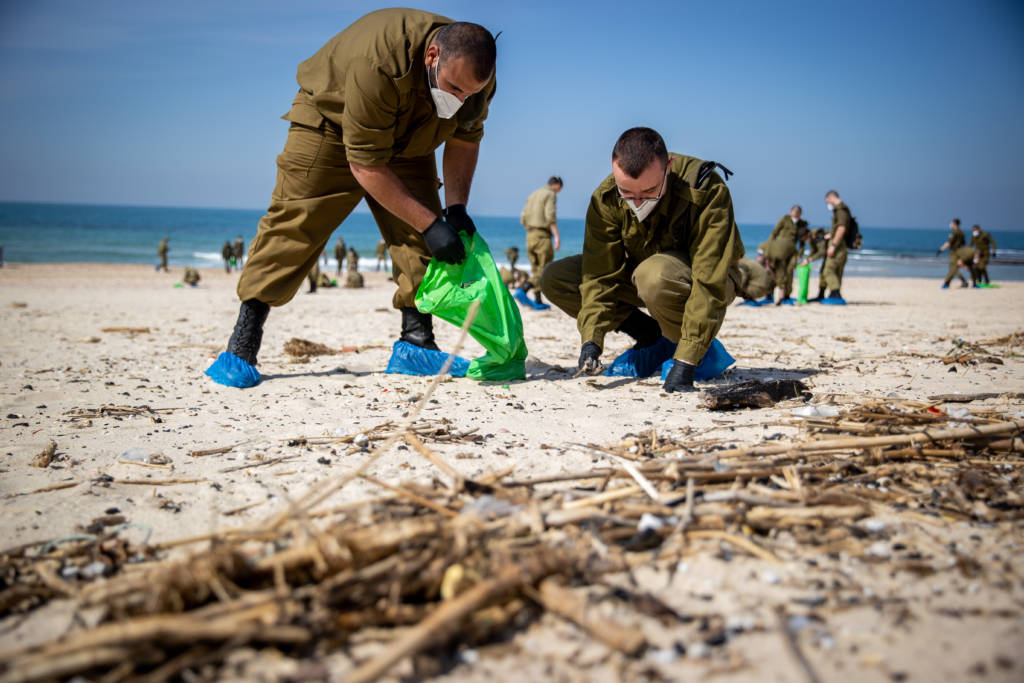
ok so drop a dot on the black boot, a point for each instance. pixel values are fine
(644, 329)
(418, 329)
(821, 295)
(835, 294)
(245, 340)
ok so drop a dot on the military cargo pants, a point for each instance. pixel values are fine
(954, 270)
(539, 251)
(832, 271)
(661, 283)
(314, 193)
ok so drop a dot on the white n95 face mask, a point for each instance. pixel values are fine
(445, 103)
(644, 210)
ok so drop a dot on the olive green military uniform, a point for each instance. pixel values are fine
(352, 260)
(161, 251)
(191, 276)
(956, 241)
(985, 245)
(537, 216)
(967, 256)
(755, 282)
(239, 252)
(781, 252)
(227, 253)
(832, 272)
(680, 262)
(363, 98)
(382, 254)
(339, 253)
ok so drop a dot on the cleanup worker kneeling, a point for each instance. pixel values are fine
(660, 233)
(373, 105)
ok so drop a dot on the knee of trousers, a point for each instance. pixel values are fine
(661, 276)
(560, 281)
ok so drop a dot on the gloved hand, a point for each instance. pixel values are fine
(680, 378)
(458, 218)
(444, 242)
(938, 252)
(590, 358)
(994, 254)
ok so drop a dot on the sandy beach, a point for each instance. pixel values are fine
(58, 368)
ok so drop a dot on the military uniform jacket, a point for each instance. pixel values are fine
(956, 240)
(697, 222)
(984, 243)
(841, 216)
(369, 82)
(786, 230)
(539, 211)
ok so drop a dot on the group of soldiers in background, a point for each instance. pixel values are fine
(973, 255)
(342, 254)
(233, 254)
(791, 243)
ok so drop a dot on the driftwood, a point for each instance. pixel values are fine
(753, 394)
(316, 578)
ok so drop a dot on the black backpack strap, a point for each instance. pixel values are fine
(705, 170)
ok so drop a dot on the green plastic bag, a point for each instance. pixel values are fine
(803, 281)
(448, 291)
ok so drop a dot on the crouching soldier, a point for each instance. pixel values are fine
(661, 235)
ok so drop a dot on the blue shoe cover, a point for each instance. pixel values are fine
(641, 362)
(520, 296)
(767, 300)
(834, 301)
(232, 371)
(409, 359)
(788, 301)
(715, 361)
(945, 286)
(751, 302)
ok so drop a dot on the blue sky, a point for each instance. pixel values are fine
(912, 110)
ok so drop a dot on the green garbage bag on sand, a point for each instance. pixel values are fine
(448, 291)
(803, 281)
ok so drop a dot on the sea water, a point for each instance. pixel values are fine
(65, 233)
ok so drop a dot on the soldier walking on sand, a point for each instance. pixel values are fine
(984, 243)
(540, 220)
(239, 252)
(161, 251)
(227, 253)
(835, 251)
(382, 255)
(953, 243)
(339, 253)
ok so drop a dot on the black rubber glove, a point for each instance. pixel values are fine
(444, 242)
(458, 218)
(590, 358)
(939, 252)
(680, 378)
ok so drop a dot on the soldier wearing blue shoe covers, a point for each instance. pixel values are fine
(373, 105)
(661, 235)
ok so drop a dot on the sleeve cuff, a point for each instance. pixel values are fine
(368, 157)
(469, 135)
(690, 351)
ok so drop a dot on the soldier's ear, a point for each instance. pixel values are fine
(430, 55)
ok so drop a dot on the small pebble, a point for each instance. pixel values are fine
(769, 576)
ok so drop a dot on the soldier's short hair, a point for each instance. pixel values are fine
(797, 207)
(832, 193)
(554, 180)
(956, 222)
(472, 41)
(637, 148)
